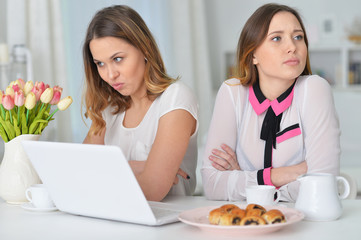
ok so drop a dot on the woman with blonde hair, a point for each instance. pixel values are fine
(135, 105)
(274, 121)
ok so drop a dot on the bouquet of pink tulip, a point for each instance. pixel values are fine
(25, 107)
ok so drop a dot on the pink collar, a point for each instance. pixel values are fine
(261, 103)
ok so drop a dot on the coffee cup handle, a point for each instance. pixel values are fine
(27, 195)
(278, 196)
(346, 192)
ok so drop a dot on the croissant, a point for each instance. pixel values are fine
(229, 207)
(255, 206)
(215, 216)
(228, 219)
(253, 220)
(255, 212)
(239, 212)
(274, 216)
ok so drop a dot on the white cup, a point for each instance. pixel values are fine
(262, 194)
(38, 195)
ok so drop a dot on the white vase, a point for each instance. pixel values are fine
(16, 171)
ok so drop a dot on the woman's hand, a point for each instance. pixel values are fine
(284, 175)
(225, 160)
(181, 173)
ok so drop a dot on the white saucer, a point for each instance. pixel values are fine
(31, 207)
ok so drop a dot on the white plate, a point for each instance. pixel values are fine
(199, 218)
(31, 207)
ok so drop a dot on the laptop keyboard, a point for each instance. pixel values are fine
(162, 212)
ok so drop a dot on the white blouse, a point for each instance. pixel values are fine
(137, 142)
(308, 130)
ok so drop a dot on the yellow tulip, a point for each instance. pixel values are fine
(47, 95)
(10, 91)
(28, 87)
(64, 103)
(12, 83)
(20, 82)
(30, 101)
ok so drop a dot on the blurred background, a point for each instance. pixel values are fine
(197, 39)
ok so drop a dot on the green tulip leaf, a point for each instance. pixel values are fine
(10, 130)
(33, 127)
(24, 127)
(7, 129)
(16, 127)
(3, 134)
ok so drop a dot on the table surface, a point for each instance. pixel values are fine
(18, 223)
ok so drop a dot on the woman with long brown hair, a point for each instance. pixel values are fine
(274, 121)
(135, 105)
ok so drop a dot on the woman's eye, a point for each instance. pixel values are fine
(118, 59)
(276, 39)
(299, 37)
(100, 64)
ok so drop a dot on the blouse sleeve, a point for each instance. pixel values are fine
(179, 96)
(321, 127)
(321, 131)
(224, 185)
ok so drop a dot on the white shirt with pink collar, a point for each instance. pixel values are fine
(301, 124)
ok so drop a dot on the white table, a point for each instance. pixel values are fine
(17, 223)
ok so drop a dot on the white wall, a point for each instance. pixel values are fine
(2, 21)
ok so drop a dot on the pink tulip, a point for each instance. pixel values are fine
(8, 102)
(38, 89)
(56, 97)
(40, 86)
(37, 93)
(16, 87)
(19, 98)
(58, 89)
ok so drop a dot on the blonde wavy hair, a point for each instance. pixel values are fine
(125, 23)
(252, 36)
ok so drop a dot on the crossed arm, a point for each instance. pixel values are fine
(225, 159)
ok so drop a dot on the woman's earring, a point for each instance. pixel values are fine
(146, 60)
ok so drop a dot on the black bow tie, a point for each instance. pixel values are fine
(271, 126)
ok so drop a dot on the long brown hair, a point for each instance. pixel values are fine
(253, 34)
(125, 23)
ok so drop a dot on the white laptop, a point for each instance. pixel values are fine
(95, 181)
